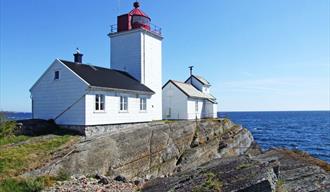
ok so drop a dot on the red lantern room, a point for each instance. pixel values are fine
(133, 20)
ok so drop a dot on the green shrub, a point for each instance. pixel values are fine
(280, 186)
(7, 129)
(26, 185)
(3, 117)
(63, 175)
(212, 183)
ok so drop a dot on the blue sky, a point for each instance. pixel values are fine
(258, 55)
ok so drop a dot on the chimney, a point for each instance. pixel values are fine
(191, 69)
(78, 56)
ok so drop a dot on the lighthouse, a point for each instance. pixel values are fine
(136, 48)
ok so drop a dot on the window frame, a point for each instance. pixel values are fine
(99, 103)
(123, 104)
(143, 104)
(56, 75)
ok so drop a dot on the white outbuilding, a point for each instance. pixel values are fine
(188, 100)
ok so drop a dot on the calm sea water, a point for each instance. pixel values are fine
(308, 130)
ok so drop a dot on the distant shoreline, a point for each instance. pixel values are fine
(218, 111)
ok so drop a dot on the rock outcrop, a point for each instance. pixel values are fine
(155, 149)
(208, 155)
(228, 174)
(277, 170)
(298, 171)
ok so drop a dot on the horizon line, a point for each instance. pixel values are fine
(229, 111)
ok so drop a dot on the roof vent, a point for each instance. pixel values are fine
(78, 56)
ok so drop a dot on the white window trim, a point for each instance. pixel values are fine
(99, 110)
(146, 104)
(120, 104)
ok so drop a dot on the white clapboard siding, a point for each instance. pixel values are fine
(174, 103)
(51, 97)
(139, 52)
(191, 108)
(112, 113)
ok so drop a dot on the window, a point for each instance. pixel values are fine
(143, 104)
(196, 106)
(123, 103)
(136, 19)
(99, 102)
(56, 75)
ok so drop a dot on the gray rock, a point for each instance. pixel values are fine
(104, 181)
(154, 149)
(298, 171)
(228, 174)
(120, 178)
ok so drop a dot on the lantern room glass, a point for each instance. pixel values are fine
(139, 21)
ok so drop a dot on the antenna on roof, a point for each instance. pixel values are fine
(191, 69)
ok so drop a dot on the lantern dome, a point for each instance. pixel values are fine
(138, 18)
(135, 19)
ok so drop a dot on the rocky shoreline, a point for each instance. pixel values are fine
(208, 155)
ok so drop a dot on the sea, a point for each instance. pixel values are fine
(300, 130)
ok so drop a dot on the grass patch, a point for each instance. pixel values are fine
(27, 184)
(15, 160)
(212, 183)
(167, 121)
(244, 166)
(13, 139)
(280, 186)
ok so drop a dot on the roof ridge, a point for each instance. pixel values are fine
(180, 82)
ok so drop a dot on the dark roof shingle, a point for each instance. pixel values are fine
(107, 78)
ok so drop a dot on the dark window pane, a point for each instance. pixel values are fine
(57, 75)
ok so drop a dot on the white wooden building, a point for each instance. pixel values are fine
(188, 100)
(73, 93)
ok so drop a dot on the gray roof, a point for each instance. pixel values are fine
(201, 79)
(191, 91)
(107, 78)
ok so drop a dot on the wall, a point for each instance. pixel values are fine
(125, 52)
(139, 52)
(210, 110)
(112, 113)
(152, 70)
(215, 110)
(176, 100)
(192, 114)
(51, 97)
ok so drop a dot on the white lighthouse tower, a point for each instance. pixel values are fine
(136, 48)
